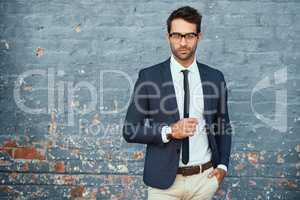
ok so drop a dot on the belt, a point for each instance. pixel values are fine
(195, 169)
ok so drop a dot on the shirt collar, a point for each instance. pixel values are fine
(177, 67)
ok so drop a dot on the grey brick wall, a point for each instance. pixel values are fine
(68, 151)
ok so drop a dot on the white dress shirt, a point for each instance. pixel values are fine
(199, 151)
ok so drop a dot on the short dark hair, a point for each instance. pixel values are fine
(188, 14)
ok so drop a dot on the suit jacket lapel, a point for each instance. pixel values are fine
(168, 91)
(205, 89)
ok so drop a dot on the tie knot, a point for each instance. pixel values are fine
(185, 72)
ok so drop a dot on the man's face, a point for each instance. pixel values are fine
(185, 47)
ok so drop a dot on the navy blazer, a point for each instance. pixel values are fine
(153, 105)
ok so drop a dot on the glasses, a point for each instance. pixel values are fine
(189, 37)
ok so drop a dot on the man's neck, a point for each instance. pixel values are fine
(185, 63)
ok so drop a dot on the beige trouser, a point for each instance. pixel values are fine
(194, 187)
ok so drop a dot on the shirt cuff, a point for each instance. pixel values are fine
(221, 166)
(164, 131)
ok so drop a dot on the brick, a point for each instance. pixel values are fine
(77, 192)
(60, 167)
(28, 153)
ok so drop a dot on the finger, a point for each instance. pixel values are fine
(194, 126)
(188, 132)
(184, 124)
(191, 125)
(190, 128)
(191, 133)
(192, 120)
(212, 173)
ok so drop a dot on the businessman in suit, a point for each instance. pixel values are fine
(179, 110)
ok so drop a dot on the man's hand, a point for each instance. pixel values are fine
(184, 128)
(219, 173)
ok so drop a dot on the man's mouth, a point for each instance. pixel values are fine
(183, 51)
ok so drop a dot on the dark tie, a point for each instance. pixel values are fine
(185, 142)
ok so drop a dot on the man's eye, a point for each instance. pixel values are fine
(176, 35)
(190, 36)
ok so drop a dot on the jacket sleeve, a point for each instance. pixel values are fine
(224, 132)
(134, 129)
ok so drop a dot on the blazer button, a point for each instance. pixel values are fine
(178, 151)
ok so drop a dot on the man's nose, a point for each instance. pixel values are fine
(183, 41)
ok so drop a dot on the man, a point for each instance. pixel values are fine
(179, 109)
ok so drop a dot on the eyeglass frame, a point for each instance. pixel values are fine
(184, 35)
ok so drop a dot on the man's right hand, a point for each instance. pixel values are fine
(184, 128)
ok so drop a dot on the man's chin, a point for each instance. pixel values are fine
(183, 56)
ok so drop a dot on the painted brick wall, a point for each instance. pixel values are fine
(56, 144)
